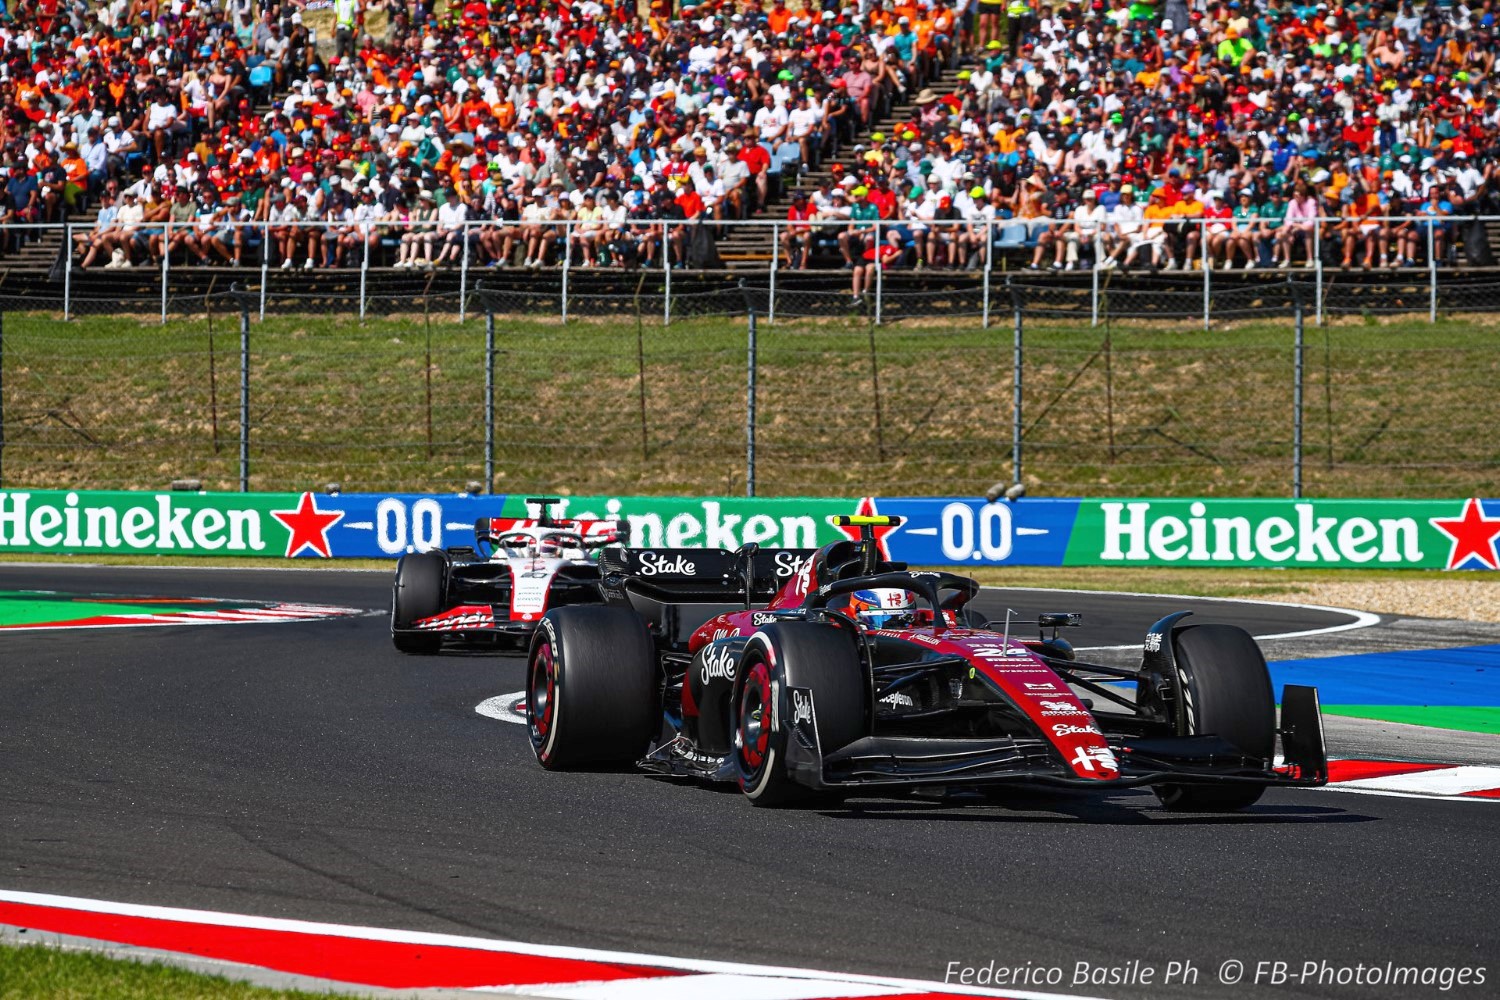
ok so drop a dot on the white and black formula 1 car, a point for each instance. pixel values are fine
(493, 594)
(856, 676)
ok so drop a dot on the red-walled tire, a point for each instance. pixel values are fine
(820, 657)
(591, 688)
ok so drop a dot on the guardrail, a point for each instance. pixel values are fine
(1406, 248)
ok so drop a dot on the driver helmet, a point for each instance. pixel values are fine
(882, 608)
(549, 548)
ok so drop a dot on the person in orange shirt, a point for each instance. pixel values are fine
(1152, 238)
(944, 21)
(505, 114)
(778, 17)
(922, 26)
(1363, 225)
(29, 97)
(1009, 142)
(267, 159)
(1189, 210)
(77, 172)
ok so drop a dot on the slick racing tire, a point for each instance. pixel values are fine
(1227, 693)
(417, 594)
(823, 658)
(591, 688)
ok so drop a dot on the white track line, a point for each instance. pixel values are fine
(1442, 781)
(652, 962)
(710, 985)
(500, 708)
(1362, 619)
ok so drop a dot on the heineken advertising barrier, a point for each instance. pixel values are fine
(1438, 534)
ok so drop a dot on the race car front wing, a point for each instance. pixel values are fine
(883, 761)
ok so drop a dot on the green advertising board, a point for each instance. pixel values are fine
(1407, 534)
(237, 524)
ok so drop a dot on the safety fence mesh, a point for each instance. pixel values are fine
(1123, 388)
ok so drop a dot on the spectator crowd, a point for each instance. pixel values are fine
(1109, 133)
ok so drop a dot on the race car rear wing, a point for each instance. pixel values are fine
(594, 533)
(688, 575)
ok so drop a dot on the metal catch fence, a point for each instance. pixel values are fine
(257, 388)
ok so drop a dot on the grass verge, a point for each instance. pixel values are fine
(623, 405)
(41, 972)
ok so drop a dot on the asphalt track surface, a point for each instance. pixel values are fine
(310, 771)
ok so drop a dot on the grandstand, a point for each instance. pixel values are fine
(1071, 135)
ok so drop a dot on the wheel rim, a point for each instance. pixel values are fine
(752, 734)
(541, 704)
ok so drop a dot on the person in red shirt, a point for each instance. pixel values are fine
(883, 198)
(798, 235)
(1218, 219)
(691, 204)
(757, 160)
(1361, 132)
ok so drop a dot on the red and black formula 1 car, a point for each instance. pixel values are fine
(494, 593)
(860, 677)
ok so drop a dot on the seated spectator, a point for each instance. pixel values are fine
(598, 98)
(101, 238)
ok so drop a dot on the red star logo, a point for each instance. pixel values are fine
(309, 526)
(1473, 535)
(866, 508)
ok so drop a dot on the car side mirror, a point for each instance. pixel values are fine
(1060, 619)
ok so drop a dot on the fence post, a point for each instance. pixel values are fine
(750, 368)
(666, 264)
(989, 253)
(244, 392)
(1297, 425)
(166, 265)
(566, 261)
(1317, 252)
(775, 263)
(364, 271)
(879, 275)
(265, 264)
(463, 272)
(67, 271)
(489, 398)
(1016, 361)
(1206, 259)
(1431, 276)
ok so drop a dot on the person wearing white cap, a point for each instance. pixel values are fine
(1083, 230)
(535, 215)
